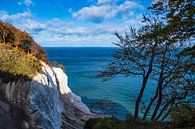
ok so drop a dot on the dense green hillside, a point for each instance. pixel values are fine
(19, 53)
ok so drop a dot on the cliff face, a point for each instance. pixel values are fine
(45, 102)
(29, 100)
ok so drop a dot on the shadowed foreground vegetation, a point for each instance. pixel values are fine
(182, 117)
(130, 124)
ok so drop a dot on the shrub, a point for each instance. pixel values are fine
(20, 40)
(105, 106)
(16, 63)
(56, 64)
(183, 115)
(91, 123)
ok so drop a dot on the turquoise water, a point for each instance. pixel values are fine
(82, 66)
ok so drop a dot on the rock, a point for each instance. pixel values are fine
(45, 102)
(67, 93)
(4, 107)
(6, 119)
(25, 125)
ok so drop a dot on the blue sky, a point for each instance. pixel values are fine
(74, 23)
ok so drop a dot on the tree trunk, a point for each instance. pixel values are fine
(138, 100)
(150, 104)
(145, 79)
(4, 39)
(160, 88)
(157, 105)
(165, 116)
(159, 96)
(164, 108)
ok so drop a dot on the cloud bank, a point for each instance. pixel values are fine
(94, 24)
(107, 9)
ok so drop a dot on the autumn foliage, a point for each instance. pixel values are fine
(16, 38)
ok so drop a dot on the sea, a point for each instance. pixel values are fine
(83, 64)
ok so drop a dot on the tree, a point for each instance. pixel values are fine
(3, 33)
(179, 20)
(178, 15)
(136, 56)
(177, 85)
(183, 115)
(161, 50)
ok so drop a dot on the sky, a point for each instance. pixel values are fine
(74, 23)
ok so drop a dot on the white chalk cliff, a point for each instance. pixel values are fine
(46, 102)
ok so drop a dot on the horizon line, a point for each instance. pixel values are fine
(80, 46)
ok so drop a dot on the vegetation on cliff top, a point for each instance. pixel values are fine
(19, 53)
(12, 61)
(20, 40)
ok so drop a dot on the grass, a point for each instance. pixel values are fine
(14, 62)
(99, 123)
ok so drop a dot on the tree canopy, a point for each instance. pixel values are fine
(163, 50)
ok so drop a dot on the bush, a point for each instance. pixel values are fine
(20, 40)
(92, 122)
(183, 115)
(105, 106)
(56, 64)
(16, 63)
(108, 123)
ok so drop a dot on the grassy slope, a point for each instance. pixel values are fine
(129, 124)
(15, 62)
(19, 53)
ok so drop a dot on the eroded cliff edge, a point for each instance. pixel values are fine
(45, 102)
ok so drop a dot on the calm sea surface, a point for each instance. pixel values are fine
(82, 66)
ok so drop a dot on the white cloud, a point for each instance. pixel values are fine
(19, 3)
(15, 17)
(33, 26)
(57, 32)
(23, 21)
(95, 13)
(61, 33)
(98, 13)
(105, 1)
(27, 2)
(129, 5)
(74, 40)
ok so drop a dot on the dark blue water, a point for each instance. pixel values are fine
(82, 66)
